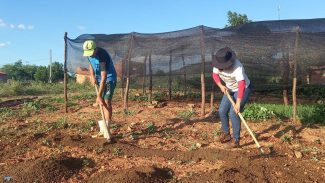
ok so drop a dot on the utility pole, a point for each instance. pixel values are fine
(50, 78)
(278, 12)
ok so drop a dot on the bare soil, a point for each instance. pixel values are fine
(153, 145)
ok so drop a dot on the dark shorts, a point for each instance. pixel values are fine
(109, 90)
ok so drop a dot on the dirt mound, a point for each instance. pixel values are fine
(44, 170)
(138, 174)
(264, 170)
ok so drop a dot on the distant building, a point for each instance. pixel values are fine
(82, 75)
(317, 75)
(3, 76)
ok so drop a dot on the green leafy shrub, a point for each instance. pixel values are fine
(185, 114)
(257, 112)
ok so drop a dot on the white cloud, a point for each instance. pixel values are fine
(81, 28)
(2, 23)
(21, 26)
(30, 27)
(2, 45)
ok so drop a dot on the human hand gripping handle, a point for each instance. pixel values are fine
(245, 124)
(106, 132)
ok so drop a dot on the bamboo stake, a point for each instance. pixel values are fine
(202, 46)
(65, 73)
(150, 78)
(184, 72)
(170, 77)
(126, 94)
(294, 85)
(144, 75)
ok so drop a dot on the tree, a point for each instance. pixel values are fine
(15, 71)
(29, 70)
(41, 74)
(57, 71)
(235, 19)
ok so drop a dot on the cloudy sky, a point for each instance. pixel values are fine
(29, 29)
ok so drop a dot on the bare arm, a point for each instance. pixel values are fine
(102, 84)
(92, 75)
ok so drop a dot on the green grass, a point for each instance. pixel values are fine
(23, 88)
(314, 113)
(6, 113)
(185, 114)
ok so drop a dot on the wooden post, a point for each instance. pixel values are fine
(144, 75)
(170, 77)
(122, 78)
(129, 55)
(65, 80)
(150, 78)
(184, 72)
(294, 85)
(285, 78)
(202, 46)
(212, 90)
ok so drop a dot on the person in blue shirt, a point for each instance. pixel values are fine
(103, 74)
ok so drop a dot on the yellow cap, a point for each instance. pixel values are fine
(89, 48)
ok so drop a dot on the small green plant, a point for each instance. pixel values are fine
(314, 158)
(6, 113)
(317, 141)
(140, 98)
(193, 147)
(87, 162)
(217, 132)
(115, 126)
(151, 128)
(88, 125)
(186, 114)
(84, 96)
(129, 112)
(58, 100)
(62, 123)
(29, 107)
(99, 150)
(46, 142)
(134, 136)
(204, 135)
(287, 138)
(117, 152)
(51, 108)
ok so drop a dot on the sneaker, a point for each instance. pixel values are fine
(224, 137)
(232, 145)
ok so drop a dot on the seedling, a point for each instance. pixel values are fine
(287, 138)
(193, 147)
(87, 162)
(186, 114)
(217, 132)
(151, 128)
(117, 152)
(99, 150)
(46, 142)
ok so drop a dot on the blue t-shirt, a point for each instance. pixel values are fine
(101, 55)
